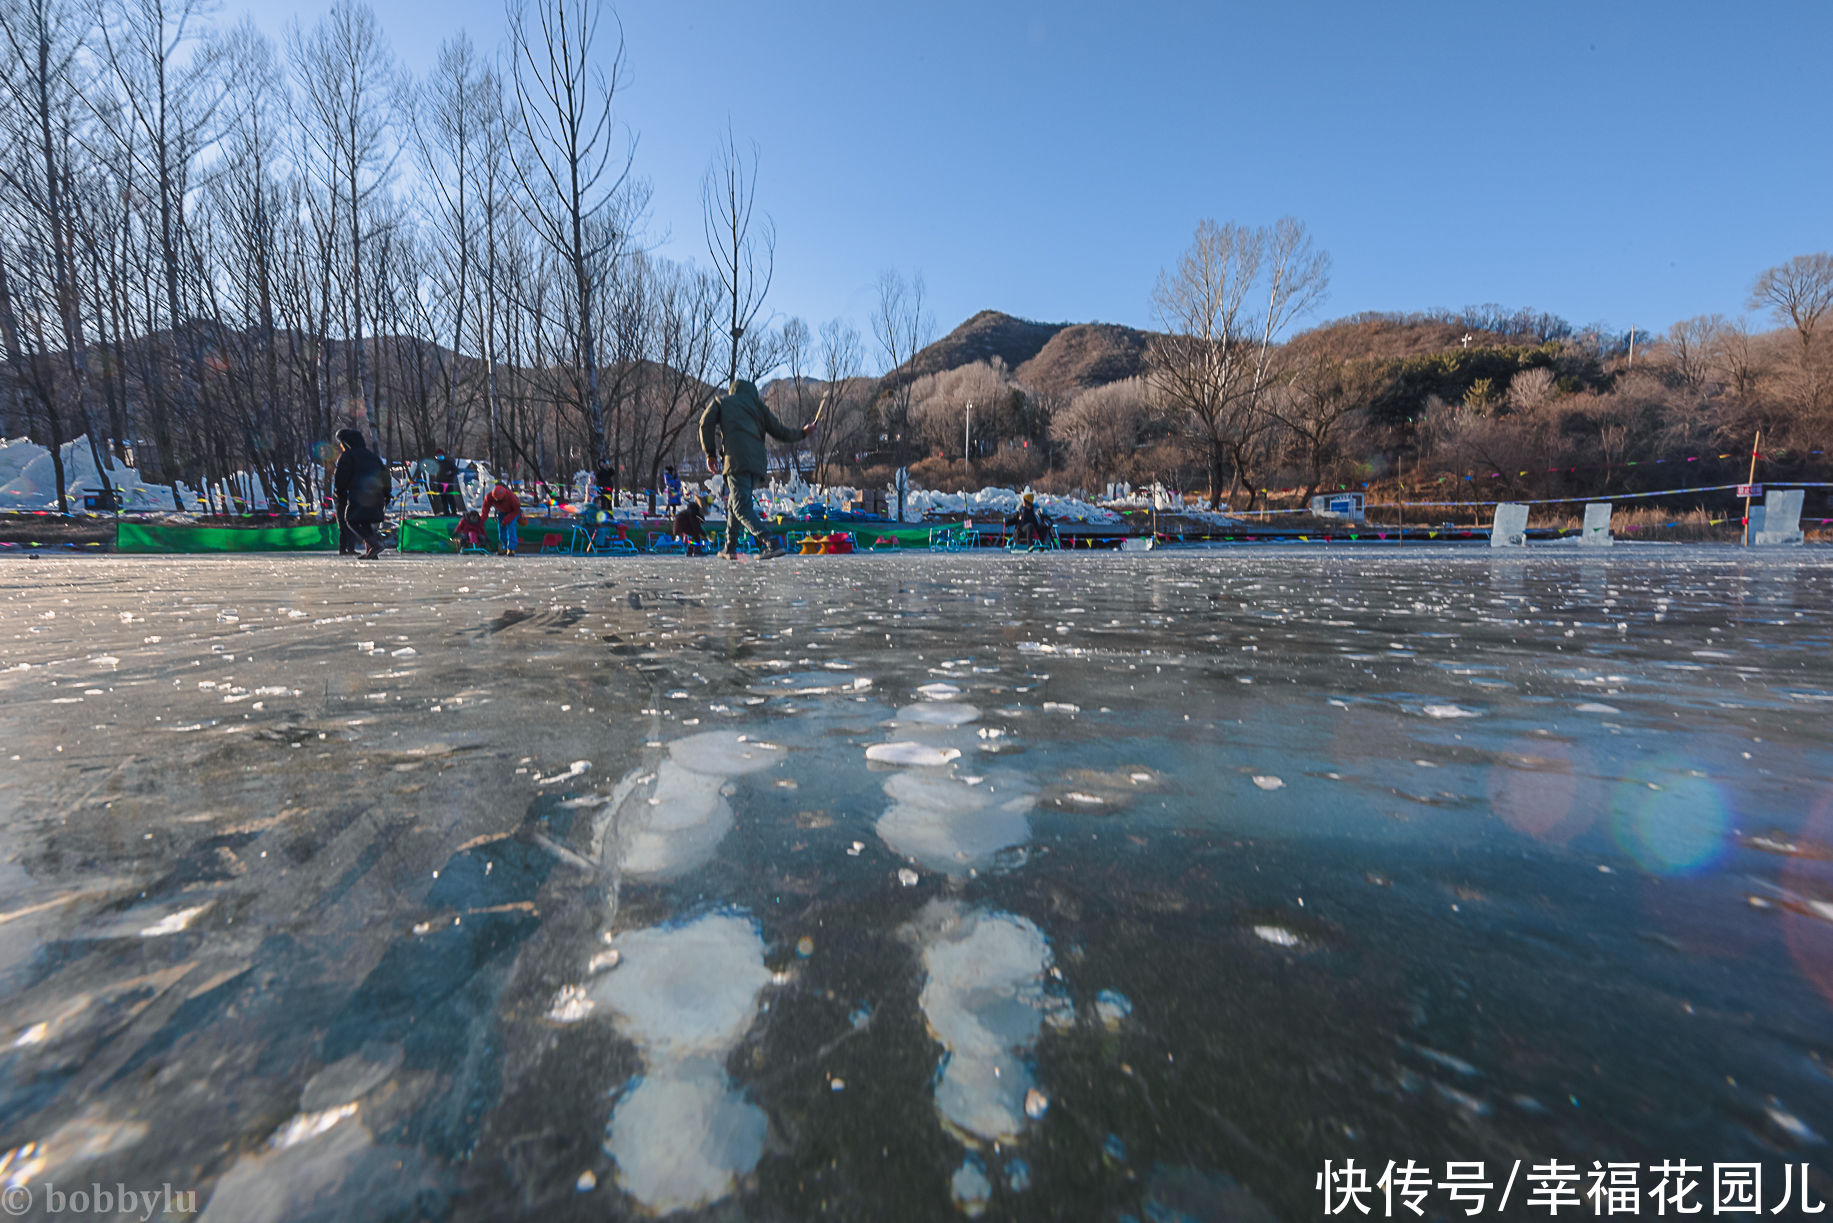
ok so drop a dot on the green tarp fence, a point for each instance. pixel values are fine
(150, 537)
(435, 534)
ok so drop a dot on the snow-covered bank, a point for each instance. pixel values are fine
(28, 479)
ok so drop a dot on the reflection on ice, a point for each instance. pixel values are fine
(685, 995)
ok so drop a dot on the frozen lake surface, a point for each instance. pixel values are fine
(901, 887)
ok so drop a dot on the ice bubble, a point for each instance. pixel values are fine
(577, 769)
(685, 995)
(570, 1005)
(939, 692)
(669, 823)
(948, 826)
(724, 753)
(1112, 1006)
(1449, 711)
(173, 923)
(984, 1002)
(306, 1126)
(970, 1188)
(907, 877)
(1279, 936)
(682, 1137)
(1061, 707)
(1268, 782)
(1792, 1125)
(1596, 707)
(687, 990)
(803, 683)
(938, 714)
(912, 753)
(1036, 1104)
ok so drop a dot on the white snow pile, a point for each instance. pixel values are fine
(28, 480)
(1004, 503)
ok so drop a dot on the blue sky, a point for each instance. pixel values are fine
(1625, 163)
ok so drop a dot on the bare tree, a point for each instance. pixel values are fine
(450, 117)
(1217, 357)
(1101, 428)
(901, 328)
(567, 162)
(744, 258)
(1690, 343)
(843, 420)
(44, 40)
(346, 78)
(1799, 293)
(1732, 355)
(165, 80)
(1316, 403)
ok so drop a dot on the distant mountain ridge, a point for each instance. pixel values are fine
(1056, 359)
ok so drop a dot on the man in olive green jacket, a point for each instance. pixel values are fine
(742, 418)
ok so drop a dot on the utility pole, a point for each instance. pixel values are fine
(967, 440)
(1632, 348)
(1755, 445)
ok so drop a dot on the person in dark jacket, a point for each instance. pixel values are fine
(1030, 527)
(443, 495)
(361, 486)
(742, 419)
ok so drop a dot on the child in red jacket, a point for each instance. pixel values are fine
(469, 533)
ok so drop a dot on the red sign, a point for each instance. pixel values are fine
(1750, 490)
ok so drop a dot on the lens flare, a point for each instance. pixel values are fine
(1670, 823)
(1538, 788)
(1807, 889)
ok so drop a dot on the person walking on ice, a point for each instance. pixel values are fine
(741, 419)
(361, 488)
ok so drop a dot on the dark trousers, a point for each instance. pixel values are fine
(741, 510)
(369, 533)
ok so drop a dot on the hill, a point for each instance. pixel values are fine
(1086, 355)
(1051, 358)
(983, 337)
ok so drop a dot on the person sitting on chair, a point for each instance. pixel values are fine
(469, 532)
(690, 525)
(1030, 528)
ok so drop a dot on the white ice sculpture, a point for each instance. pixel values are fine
(1597, 526)
(1776, 520)
(1510, 529)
